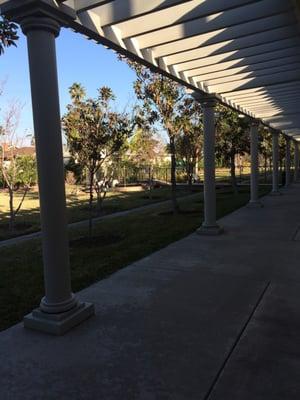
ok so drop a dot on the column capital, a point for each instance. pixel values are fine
(18, 10)
(274, 132)
(254, 122)
(40, 23)
(206, 99)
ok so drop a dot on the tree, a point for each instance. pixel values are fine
(145, 151)
(18, 172)
(265, 148)
(144, 148)
(281, 151)
(8, 34)
(74, 168)
(94, 133)
(77, 93)
(232, 138)
(163, 103)
(27, 170)
(189, 143)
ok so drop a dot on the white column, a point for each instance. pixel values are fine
(296, 161)
(59, 309)
(254, 199)
(287, 162)
(209, 226)
(275, 149)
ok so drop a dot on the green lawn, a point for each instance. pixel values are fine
(117, 243)
(28, 220)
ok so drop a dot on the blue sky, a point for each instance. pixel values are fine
(79, 60)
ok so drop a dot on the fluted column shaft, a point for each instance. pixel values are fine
(209, 226)
(287, 162)
(254, 199)
(296, 161)
(275, 161)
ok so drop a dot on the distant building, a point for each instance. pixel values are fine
(12, 151)
(66, 154)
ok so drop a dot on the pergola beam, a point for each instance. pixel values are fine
(228, 68)
(259, 100)
(248, 46)
(262, 25)
(275, 100)
(281, 107)
(264, 112)
(120, 10)
(139, 24)
(254, 74)
(270, 114)
(294, 130)
(269, 91)
(263, 93)
(287, 77)
(282, 116)
(236, 59)
(286, 125)
(245, 14)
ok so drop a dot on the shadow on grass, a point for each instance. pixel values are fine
(117, 243)
(103, 239)
(78, 209)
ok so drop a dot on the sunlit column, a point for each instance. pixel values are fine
(275, 162)
(296, 161)
(209, 226)
(287, 161)
(59, 309)
(254, 199)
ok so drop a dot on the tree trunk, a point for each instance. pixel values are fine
(91, 190)
(190, 171)
(232, 173)
(99, 202)
(173, 175)
(11, 211)
(100, 199)
(197, 166)
(124, 176)
(190, 181)
(150, 179)
(265, 167)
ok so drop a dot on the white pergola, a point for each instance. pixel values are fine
(241, 53)
(245, 51)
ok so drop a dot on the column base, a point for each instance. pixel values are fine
(58, 324)
(276, 193)
(286, 187)
(255, 204)
(210, 230)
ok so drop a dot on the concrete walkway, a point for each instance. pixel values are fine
(213, 318)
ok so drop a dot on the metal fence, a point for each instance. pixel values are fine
(130, 175)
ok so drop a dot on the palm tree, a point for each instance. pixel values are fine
(77, 93)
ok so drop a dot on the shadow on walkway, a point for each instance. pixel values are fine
(205, 318)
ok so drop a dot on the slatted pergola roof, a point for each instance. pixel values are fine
(247, 52)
